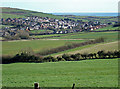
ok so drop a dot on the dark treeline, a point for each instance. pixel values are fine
(70, 46)
(25, 57)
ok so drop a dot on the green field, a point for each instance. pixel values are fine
(51, 35)
(108, 28)
(13, 47)
(110, 36)
(88, 73)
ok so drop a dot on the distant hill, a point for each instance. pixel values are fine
(21, 13)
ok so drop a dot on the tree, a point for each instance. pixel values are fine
(23, 34)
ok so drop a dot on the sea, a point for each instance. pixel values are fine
(87, 14)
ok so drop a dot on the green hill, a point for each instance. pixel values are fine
(8, 12)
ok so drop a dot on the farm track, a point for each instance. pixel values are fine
(48, 39)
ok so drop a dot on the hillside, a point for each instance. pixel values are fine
(8, 12)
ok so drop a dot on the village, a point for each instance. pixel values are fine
(57, 26)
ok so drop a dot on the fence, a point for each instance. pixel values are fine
(36, 86)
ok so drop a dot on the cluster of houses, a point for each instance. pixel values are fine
(38, 23)
(90, 26)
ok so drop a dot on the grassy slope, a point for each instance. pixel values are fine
(6, 13)
(95, 48)
(13, 47)
(88, 73)
(111, 46)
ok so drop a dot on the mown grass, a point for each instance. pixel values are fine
(13, 47)
(88, 73)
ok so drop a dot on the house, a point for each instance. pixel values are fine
(27, 29)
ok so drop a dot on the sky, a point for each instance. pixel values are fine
(63, 6)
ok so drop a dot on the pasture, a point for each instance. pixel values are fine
(13, 47)
(109, 36)
(87, 73)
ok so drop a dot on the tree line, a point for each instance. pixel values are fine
(26, 57)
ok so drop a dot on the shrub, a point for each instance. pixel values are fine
(7, 59)
(21, 34)
(66, 57)
(60, 59)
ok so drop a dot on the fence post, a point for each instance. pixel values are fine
(73, 86)
(36, 85)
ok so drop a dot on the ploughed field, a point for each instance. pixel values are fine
(87, 73)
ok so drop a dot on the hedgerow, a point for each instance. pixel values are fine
(23, 57)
